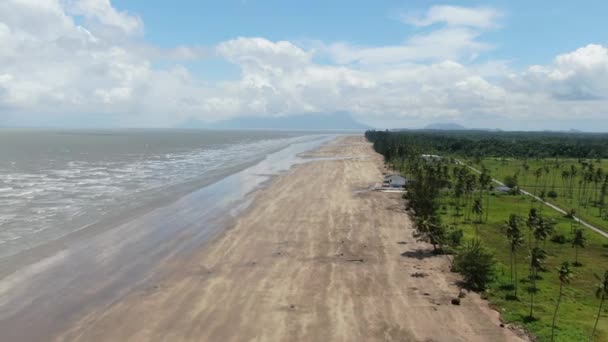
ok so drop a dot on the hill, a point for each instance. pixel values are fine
(445, 127)
(313, 121)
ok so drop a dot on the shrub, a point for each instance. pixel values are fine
(552, 194)
(455, 237)
(515, 191)
(477, 266)
(511, 181)
(571, 213)
(559, 238)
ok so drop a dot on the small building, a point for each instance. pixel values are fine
(431, 157)
(503, 189)
(395, 181)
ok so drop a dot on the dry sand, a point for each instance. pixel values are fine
(313, 259)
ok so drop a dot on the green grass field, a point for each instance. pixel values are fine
(500, 168)
(579, 305)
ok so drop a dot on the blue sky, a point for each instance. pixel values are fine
(510, 64)
(560, 25)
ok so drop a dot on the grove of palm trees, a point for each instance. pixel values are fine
(541, 269)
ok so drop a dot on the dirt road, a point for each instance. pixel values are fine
(313, 259)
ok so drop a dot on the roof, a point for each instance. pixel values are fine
(395, 180)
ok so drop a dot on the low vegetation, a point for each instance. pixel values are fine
(542, 269)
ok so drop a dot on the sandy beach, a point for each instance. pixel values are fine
(316, 257)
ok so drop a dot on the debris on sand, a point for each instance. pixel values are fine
(418, 275)
(355, 260)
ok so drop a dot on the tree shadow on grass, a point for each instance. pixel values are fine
(529, 319)
(507, 287)
(532, 289)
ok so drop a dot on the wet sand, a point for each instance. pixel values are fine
(314, 258)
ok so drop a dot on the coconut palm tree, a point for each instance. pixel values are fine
(565, 275)
(578, 242)
(604, 190)
(565, 178)
(477, 209)
(537, 174)
(573, 174)
(537, 261)
(469, 186)
(485, 183)
(601, 293)
(597, 180)
(543, 229)
(556, 167)
(516, 239)
(430, 230)
(526, 168)
(532, 222)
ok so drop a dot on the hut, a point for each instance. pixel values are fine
(395, 181)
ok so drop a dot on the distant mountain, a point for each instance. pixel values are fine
(313, 121)
(445, 127)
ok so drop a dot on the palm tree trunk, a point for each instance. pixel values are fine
(515, 267)
(559, 299)
(599, 313)
(487, 205)
(534, 198)
(532, 302)
(532, 294)
(511, 266)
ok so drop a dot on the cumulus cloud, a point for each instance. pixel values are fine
(101, 12)
(455, 37)
(578, 75)
(52, 67)
(438, 45)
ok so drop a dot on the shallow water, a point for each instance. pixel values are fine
(43, 288)
(53, 182)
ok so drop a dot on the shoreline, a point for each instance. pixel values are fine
(312, 258)
(101, 264)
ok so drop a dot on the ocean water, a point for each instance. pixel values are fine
(86, 217)
(55, 182)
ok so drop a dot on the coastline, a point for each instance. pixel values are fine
(93, 267)
(314, 257)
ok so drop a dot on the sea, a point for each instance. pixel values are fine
(53, 182)
(87, 215)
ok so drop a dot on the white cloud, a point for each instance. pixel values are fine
(478, 17)
(578, 75)
(259, 52)
(449, 43)
(51, 68)
(457, 38)
(101, 12)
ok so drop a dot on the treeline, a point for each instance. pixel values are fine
(436, 184)
(493, 144)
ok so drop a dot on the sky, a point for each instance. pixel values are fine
(513, 65)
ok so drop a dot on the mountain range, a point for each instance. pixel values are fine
(311, 121)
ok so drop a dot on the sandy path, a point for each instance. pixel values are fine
(312, 260)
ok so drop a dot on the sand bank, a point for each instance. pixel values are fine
(314, 258)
